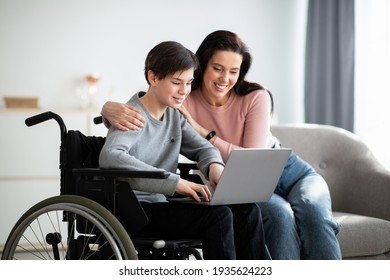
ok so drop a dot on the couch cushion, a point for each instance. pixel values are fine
(362, 236)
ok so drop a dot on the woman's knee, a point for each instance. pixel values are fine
(277, 212)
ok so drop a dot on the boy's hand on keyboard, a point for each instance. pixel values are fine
(193, 190)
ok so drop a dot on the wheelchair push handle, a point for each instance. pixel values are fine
(42, 117)
(98, 120)
(39, 118)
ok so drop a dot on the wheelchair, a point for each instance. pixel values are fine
(96, 216)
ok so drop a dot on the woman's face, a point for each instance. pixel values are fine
(220, 76)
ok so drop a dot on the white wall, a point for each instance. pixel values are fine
(47, 47)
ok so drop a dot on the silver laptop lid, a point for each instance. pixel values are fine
(250, 175)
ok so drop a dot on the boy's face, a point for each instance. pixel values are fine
(173, 89)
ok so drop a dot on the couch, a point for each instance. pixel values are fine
(358, 183)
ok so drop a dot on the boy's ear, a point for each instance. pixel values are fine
(152, 78)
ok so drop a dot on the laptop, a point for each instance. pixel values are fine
(250, 175)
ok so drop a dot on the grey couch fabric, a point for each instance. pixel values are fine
(359, 185)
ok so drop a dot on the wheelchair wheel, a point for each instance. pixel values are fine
(68, 227)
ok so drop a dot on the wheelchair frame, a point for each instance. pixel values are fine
(83, 224)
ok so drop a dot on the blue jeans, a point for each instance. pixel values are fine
(227, 232)
(298, 220)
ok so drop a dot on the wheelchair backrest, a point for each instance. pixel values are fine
(80, 151)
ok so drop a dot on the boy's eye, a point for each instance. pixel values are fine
(176, 82)
(179, 83)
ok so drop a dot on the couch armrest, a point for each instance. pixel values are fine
(358, 183)
(368, 191)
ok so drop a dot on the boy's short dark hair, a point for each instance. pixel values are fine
(169, 57)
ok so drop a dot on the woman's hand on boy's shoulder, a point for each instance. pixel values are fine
(122, 116)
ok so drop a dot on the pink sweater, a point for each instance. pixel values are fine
(242, 122)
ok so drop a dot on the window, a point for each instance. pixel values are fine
(372, 76)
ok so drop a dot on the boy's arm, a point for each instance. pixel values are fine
(115, 155)
(215, 172)
(198, 149)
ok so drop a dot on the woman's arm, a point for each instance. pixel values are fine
(255, 128)
(201, 130)
(122, 116)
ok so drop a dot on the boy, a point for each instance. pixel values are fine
(227, 232)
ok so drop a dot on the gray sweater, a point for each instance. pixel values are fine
(157, 146)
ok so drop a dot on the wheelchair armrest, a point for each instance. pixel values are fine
(190, 172)
(120, 173)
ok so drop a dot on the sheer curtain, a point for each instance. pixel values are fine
(372, 76)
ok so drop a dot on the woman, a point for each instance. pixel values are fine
(233, 113)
